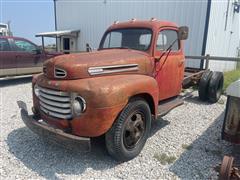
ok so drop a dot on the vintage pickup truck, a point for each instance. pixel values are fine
(135, 76)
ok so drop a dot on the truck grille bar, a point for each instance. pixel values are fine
(112, 69)
(55, 103)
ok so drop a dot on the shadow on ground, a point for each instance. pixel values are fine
(158, 124)
(49, 159)
(191, 97)
(204, 154)
(12, 81)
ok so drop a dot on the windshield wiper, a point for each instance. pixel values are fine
(122, 47)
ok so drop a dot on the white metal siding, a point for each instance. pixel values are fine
(93, 17)
(221, 42)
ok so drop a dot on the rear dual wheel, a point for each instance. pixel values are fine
(215, 87)
(210, 86)
(203, 85)
(129, 133)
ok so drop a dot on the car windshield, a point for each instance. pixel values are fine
(134, 38)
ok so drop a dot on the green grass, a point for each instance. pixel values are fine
(164, 158)
(230, 77)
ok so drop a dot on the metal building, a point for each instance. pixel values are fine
(214, 25)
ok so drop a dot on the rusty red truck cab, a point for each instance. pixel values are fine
(114, 91)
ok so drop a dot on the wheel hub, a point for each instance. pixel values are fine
(134, 130)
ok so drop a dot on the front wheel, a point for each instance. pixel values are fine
(129, 133)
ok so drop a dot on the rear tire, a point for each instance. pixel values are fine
(203, 85)
(215, 87)
(129, 132)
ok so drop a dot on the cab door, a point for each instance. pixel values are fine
(7, 58)
(27, 57)
(169, 69)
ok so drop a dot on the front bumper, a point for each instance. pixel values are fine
(42, 129)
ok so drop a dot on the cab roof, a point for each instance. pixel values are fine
(13, 37)
(16, 38)
(151, 24)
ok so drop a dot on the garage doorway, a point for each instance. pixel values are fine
(69, 45)
(66, 45)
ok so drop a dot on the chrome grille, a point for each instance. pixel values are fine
(60, 73)
(55, 103)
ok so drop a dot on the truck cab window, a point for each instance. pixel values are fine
(132, 38)
(144, 41)
(166, 38)
(4, 45)
(113, 39)
(25, 46)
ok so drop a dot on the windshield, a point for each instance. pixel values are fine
(134, 38)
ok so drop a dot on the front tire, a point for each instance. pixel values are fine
(128, 135)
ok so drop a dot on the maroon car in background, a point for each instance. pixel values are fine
(19, 56)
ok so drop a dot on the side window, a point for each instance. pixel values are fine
(162, 42)
(25, 46)
(4, 45)
(166, 38)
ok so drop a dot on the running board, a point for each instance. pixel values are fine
(167, 105)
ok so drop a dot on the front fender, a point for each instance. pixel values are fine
(102, 92)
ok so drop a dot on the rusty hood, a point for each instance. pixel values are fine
(98, 63)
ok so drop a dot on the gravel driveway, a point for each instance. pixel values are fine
(183, 144)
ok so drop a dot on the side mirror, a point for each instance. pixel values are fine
(183, 33)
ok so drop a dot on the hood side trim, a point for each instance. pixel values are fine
(112, 69)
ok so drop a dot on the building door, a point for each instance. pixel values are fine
(170, 68)
(69, 44)
(66, 45)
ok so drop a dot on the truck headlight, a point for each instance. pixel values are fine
(36, 90)
(78, 105)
